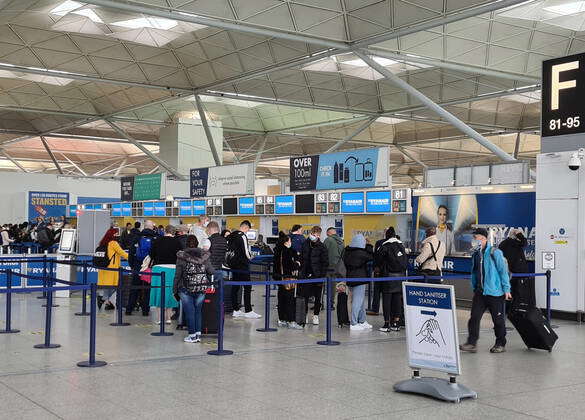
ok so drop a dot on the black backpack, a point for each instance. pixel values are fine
(232, 255)
(396, 260)
(100, 257)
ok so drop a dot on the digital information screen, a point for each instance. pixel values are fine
(305, 203)
(246, 205)
(399, 206)
(321, 208)
(160, 208)
(352, 202)
(269, 209)
(217, 211)
(378, 202)
(185, 208)
(117, 210)
(259, 208)
(198, 207)
(334, 207)
(149, 208)
(126, 209)
(67, 242)
(230, 206)
(284, 204)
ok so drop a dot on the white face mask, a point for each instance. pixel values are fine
(288, 244)
(475, 244)
(313, 238)
(205, 223)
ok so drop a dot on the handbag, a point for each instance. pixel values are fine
(145, 277)
(340, 270)
(287, 286)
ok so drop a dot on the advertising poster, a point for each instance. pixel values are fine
(223, 180)
(431, 327)
(455, 214)
(47, 204)
(362, 168)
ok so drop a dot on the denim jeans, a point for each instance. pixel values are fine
(358, 304)
(192, 304)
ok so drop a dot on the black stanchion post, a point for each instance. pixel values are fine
(50, 275)
(119, 321)
(84, 292)
(44, 295)
(548, 286)
(48, 314)
(370, 285)
(92, 331)
(220, 317)
(267, 307)
(329, 307)
(8, 329)
(162, 332)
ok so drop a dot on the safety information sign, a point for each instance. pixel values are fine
(431, 327)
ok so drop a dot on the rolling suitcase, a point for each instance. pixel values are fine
(342, 312)
(300, 309)
(533, 327)
(209, 313)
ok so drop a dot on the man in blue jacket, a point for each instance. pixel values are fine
(491, 286)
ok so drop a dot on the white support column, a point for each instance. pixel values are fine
(391, 77)
(14, 161)
(144, 150)
(344, 140)
(203, 118)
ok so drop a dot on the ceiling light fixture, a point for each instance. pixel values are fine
(148, 22)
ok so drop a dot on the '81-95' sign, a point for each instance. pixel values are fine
(563, 90)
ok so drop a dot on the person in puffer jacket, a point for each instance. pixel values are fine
(192, 278)
(356, 257)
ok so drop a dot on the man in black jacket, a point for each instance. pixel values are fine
(315, 263)
(136, 263)
(522, 288)
(377, 265)
(217, 250)
(238, 258)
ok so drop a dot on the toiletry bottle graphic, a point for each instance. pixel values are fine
(368, 170)
(335, 173)
(340, 172)
(359, 172)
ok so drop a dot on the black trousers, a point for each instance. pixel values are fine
(286, 304)
(315, 290)
(236, 302)
(495, 304)
(392, 304)
(138, 295)
(376, 296)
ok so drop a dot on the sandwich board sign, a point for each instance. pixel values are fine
(432, 341)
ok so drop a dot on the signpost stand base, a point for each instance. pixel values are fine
(441, 389)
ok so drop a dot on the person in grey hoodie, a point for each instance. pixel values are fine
(192, 278)
(334, 245)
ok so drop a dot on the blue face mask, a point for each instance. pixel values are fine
(475, 244)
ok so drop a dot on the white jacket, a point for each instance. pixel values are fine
(6, 238)
(425, 257)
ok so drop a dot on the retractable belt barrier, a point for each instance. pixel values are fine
(50, 286)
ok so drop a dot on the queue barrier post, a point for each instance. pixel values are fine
(548, 286)
(48, 315)
(50, 274)
(267, 306)
(220, 317)
(8, 322)
(44, 295)
(162, 332)
(119, 321)
(84, 292)
(92, 330)
(329, 306)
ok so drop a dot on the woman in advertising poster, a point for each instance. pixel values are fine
(453, 216)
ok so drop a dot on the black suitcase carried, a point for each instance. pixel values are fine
(126, 285)
(300, 309)
(533, 327)
(209, 313)
(342, 312)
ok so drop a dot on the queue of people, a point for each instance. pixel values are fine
(41, 234)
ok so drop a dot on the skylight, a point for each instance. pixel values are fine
(361, 63)
(76, 8)
(566, 8)
(389, 120)
(148, 22)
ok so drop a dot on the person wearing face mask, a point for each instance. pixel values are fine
(286, 267)
(513, 249)
(491, 287)
(445, 230)
(198, 229)
(315, 263)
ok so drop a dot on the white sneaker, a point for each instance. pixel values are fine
(366, 325)
(238, 314)
(191, 339)
(357, 327)
(282, 323)
(197, 337)
(252, 315)
(315, 319)
(294, 326)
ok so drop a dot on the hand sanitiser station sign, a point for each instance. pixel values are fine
(432, 341)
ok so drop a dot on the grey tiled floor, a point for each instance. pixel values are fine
(277, 375)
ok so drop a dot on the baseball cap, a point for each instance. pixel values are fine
(481, 231)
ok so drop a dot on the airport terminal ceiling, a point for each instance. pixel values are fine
(280, 77)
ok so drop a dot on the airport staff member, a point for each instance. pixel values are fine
(491, 286)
